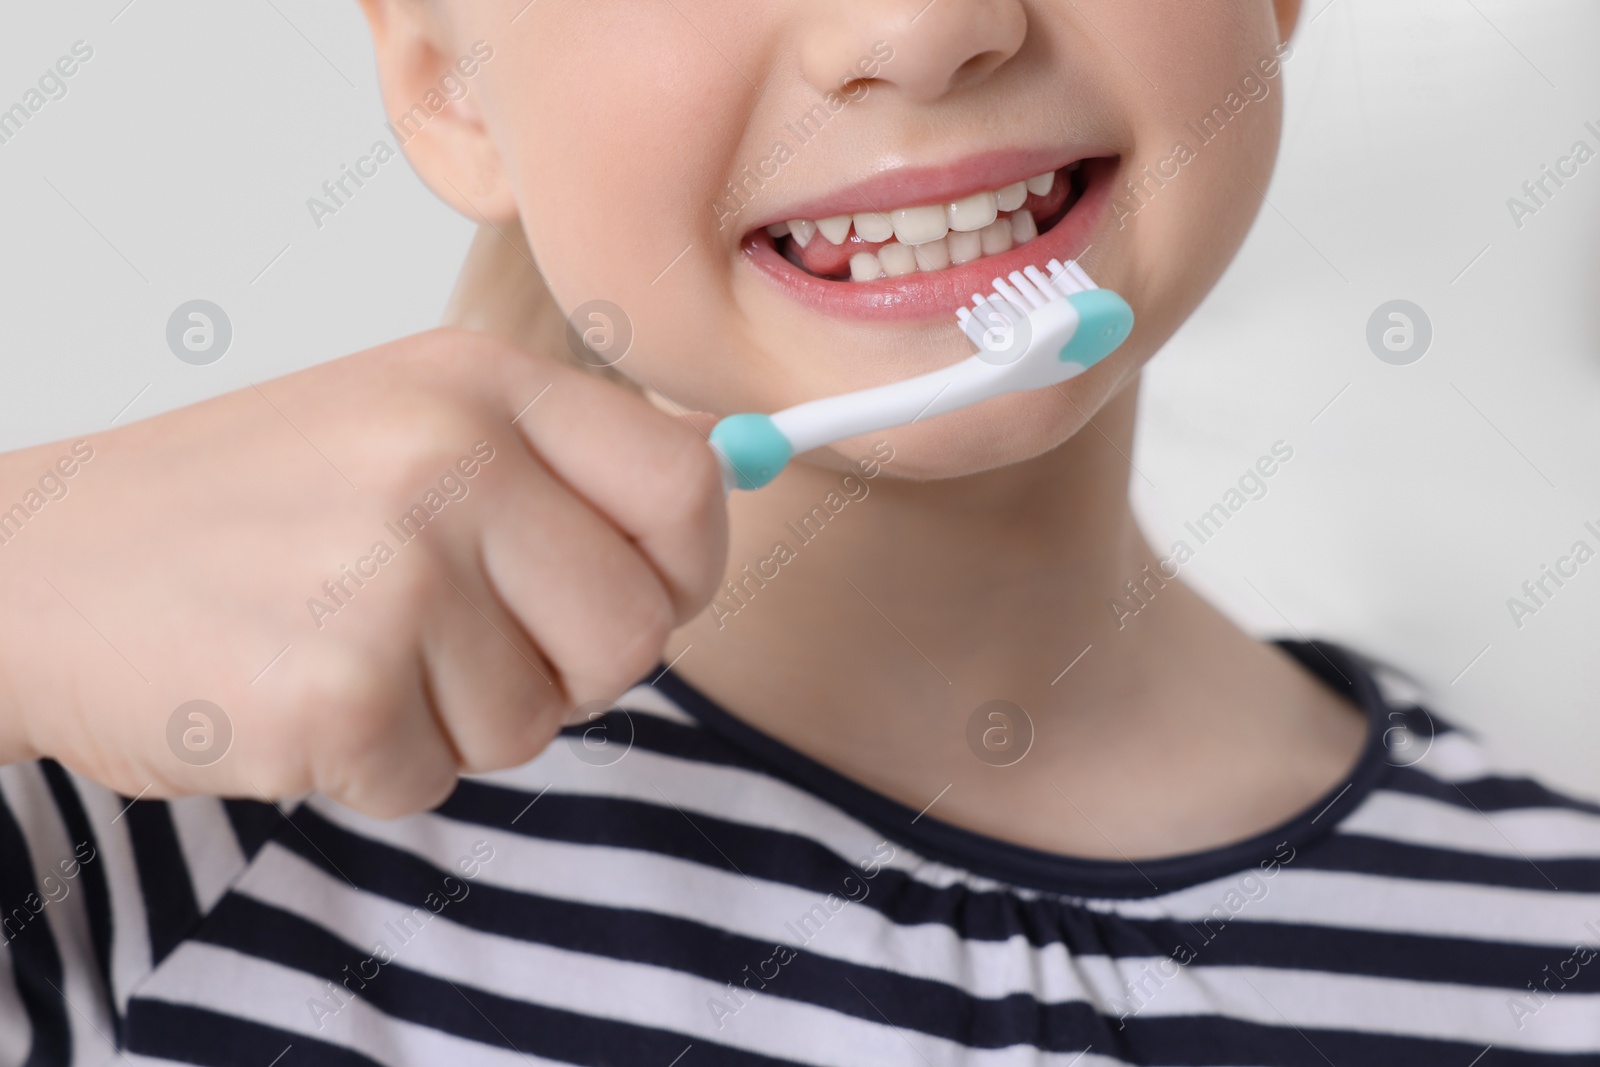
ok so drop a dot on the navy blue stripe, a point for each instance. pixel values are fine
(1233, 940)
(253, 822)
(653, 733)
(1486, 794)
(260, 930)
(248, 926)
(187, 1034)
(706, 951)
(35, 958)
(1210, 1041)
(171, 909)
(1378, 856)
(773, 855)
(92, 875)
(790, 859)
(1227, 937)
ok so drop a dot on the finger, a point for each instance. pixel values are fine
(368, 732)
(585, 594)
(492, 689)
(651, 474)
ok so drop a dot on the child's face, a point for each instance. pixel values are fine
(648, 144)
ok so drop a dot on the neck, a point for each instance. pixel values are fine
(866, 621)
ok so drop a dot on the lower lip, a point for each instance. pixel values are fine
(936, 295)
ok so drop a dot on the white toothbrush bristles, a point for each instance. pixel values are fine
(1070, 277)
(1025, 290)
(1018, 296)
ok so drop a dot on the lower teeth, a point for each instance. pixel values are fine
(895, 260)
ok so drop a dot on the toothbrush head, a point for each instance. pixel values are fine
(1047, 329)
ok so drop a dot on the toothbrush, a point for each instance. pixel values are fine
(1032, 332)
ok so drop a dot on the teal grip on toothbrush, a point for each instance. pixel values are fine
(754, 447)
(1105, 321)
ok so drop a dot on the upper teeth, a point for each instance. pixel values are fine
(919, 225)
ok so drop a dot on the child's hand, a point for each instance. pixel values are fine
(379, 577)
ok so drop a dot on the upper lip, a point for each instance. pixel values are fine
(899, 187)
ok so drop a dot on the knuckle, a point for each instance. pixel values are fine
(426, 444)
(404, 792)
(344, 706)
(515, 745)
(601, 668)
(640, 637)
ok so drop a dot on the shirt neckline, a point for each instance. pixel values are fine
(1031, 868)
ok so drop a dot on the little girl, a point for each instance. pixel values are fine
(435, 706)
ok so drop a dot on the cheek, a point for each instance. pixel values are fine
(1203, 147)
(618, 148)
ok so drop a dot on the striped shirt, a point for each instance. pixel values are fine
(693, 892)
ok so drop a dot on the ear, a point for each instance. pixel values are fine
(431, 93)
(1288, 12)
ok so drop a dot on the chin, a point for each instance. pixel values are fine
(998, 433)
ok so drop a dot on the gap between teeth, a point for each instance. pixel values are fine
(920, 226)
(897, 258)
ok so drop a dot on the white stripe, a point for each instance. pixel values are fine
(61, 915)
(772, 912)
(604, 988)
(209, 847)
(1458, 757)
(130, 931)
(224, 981)
(1372, 902)
(1520, 833)
(1329, 898)
(729, 794)
(441, 841)
(623, 879)
(1322, 1000)
(652, 701)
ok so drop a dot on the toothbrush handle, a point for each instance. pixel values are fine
(1065, 337)
(753, 449)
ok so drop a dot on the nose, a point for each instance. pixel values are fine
(924, 49)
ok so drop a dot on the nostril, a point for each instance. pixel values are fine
(977, 68)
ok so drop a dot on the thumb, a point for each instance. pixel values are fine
(703, 421)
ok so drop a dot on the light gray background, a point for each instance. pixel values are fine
(1419, 497)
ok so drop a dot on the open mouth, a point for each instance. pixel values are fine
(924, 259)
